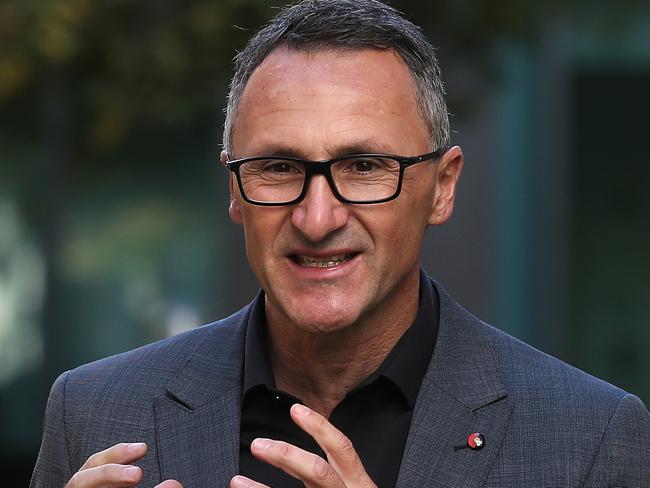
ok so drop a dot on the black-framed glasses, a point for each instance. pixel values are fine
(357, 178)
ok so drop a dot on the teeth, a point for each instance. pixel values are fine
(325, 262)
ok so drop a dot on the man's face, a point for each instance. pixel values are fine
(323, 264)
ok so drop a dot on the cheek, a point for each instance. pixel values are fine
(400, 230)
(396, 232)
(408, 216)
(261, 229)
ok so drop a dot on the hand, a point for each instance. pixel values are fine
(109, 469)
(342, 469)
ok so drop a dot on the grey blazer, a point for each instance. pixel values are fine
(546, 424)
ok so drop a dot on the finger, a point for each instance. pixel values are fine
(311, 469)
(122, 453)
(341, 454)
(243, 482)
(169, 484)
(106, 476)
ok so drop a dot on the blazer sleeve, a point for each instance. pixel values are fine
(623, 457)
(52, 468)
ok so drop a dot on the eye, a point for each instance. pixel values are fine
(361, 166)
(280, 167)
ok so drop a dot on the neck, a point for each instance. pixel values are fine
(321, 368)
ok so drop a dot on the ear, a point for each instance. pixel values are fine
(233, 209)
(223, 157)
(447, 174)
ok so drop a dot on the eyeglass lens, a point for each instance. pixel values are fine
(358, 179)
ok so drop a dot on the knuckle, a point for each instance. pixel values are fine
(121, 447)
(348, 455)
(283, 448)
(344, 445)
(91, 461)
(321, 469)
(114, 471)
(112, 454)
(74, 481)
(95, 459)
(117, 451)
(108, 473)
(105, 470)
(321, 423)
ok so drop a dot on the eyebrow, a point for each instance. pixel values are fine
(361, 147)
(365, 146)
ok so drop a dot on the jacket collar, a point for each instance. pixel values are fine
(197, 422)
(464, 363)
(462, 393)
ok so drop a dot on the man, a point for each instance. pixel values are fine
(350, 368)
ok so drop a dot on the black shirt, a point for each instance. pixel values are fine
(376, 415)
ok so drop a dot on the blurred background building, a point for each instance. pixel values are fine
(113, 207)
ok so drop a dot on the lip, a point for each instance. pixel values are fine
(316, 273)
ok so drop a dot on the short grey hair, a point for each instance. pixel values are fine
(347, 25)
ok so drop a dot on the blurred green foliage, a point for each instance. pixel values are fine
(122, 65)
(119, 66)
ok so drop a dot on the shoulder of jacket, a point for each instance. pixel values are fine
(156, 363)
(524, 370)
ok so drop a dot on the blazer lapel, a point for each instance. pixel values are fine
(460, 394)
(197, 423)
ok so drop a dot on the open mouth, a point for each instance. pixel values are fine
(321, 261)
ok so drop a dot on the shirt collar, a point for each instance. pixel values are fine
(407, 362)
(257, 364)
(404, 366)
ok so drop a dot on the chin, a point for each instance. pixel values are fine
(323, 328)
(317, 310)
(323, 322)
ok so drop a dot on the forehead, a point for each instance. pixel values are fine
(365, 68)
(329, 94)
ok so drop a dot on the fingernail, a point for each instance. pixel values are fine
(136, 446)
(132, 472)
(239, 482)
(262, 444)
(301, 410)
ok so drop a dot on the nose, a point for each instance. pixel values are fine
(320, 213)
